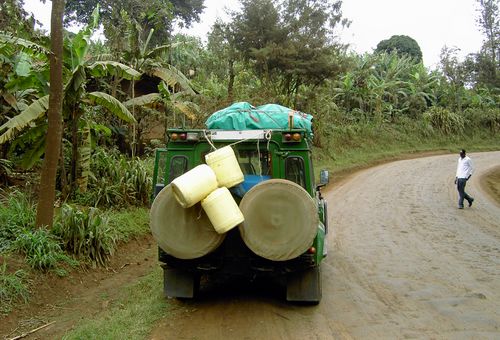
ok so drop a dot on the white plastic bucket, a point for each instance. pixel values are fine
(222, 210)
(225, 165)
(194, 185)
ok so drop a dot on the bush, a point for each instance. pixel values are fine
(42, 250)
(444, 120)
(488, 118)
(12, 288)
(85, 233)
(116, 181)
(17, 212)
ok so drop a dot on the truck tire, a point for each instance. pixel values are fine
(304, 286)
(182, 233)
(281, 220)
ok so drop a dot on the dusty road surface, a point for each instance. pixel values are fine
(403, 262)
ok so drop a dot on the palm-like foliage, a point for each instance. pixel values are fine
(79, 69)
(174, 85)
(383, 86)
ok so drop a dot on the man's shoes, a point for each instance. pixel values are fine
(470, 202)
(460, 207)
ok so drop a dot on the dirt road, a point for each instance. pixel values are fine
(403, 262)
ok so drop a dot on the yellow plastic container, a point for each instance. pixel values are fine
(222, 210)
(225, 165)
(193, 186)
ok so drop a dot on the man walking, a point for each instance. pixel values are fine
(464, 171)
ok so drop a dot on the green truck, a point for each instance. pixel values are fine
(286, 223)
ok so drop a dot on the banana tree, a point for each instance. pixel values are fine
(152, 63)
(79, 71)
(155, 106)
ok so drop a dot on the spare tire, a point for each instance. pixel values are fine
(182, 233)
(281, 219)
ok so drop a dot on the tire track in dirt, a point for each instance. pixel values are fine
(403, 262)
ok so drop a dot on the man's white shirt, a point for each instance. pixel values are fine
(464, 167)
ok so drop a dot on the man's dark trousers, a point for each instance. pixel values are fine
(461, 192)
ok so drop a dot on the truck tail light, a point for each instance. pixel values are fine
(184, 136)
(292, 137)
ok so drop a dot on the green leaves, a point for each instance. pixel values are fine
(174, 78)
(36, 110)
(111, 104)
(113, 68)
(81, 41)
(6, 39)
(190, 109)
(444, 120)
(85, 233)
(144, 100)
(403, 45)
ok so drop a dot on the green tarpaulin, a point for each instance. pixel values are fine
(244, 116)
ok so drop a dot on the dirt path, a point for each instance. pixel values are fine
(81, 295)
(403, 262)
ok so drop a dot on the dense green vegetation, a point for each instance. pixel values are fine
(143, 76)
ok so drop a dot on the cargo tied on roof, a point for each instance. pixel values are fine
(244, 116)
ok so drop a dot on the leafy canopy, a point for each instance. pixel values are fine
(291, 39)
(402, 45)
(159, 15)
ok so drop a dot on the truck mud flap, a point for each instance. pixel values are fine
(180, 284)
(304, 286)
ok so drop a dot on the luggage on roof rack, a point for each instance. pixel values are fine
(244, 116)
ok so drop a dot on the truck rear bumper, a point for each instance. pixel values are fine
(234, 258)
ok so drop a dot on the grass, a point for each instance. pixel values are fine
(17, 212)
(131, 316)
(42, 250)
(13, 288)
(129, 223)
(353, 147)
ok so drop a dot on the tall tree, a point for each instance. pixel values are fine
(489, 21)
(402, 45)
(487, 62)
(45, 208)
(14, 19)
(222, 47)
(456, 75)
(292, 40)
(159, 15)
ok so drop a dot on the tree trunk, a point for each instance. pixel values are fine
(75, 116)
(64, 179)
(230, 84)
(134, 141)
(47, 190)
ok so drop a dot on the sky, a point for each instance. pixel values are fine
(432, 23)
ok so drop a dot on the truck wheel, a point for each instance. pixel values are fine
(180, 284)
(304, 286)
